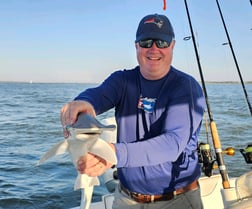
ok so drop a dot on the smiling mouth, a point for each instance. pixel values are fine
(154, 58)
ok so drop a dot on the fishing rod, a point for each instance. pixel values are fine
(214, 132)
(234, 57)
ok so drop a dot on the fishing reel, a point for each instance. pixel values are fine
(205, 157)
(247, 153)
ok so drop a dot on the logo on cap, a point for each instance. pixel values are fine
(157, 21)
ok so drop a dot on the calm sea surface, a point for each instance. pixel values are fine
(30, 125)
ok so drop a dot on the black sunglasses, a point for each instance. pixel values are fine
(149, 42)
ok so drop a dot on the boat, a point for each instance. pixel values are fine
(217, 190)
(237, 196)
(213, 194)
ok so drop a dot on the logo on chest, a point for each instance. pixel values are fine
(146, 104)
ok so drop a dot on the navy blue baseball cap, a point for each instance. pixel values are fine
(155, 26)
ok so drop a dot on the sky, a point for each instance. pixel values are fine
(84, 41)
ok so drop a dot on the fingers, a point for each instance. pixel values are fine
(67, 117)
(92, 165)
(70, 111)
(93, 171)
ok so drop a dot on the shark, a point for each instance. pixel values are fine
(84, 136)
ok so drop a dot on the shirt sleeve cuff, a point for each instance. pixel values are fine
(121, 154)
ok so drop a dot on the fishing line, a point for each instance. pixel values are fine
(214, 132)
(234, 57)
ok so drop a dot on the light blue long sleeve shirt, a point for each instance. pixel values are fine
(158, 125)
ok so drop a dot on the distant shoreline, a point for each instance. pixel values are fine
(234, 82)
(47, 82)
(210, 82)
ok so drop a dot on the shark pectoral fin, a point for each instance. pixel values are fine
(85, 181)
(57, 149)
(103, 150)
(86, 197)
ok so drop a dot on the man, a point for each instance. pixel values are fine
(158, 110)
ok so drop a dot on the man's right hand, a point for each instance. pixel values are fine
(70, 111)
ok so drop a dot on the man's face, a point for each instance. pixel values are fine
(154, 62)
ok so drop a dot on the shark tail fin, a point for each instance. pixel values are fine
(86, 197)
(85, 181)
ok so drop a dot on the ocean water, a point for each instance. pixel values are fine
(30, 125)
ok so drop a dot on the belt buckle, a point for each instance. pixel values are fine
(147, 198)
(135, 196)
(142, 198)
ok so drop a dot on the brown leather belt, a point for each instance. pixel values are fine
(144, 198)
